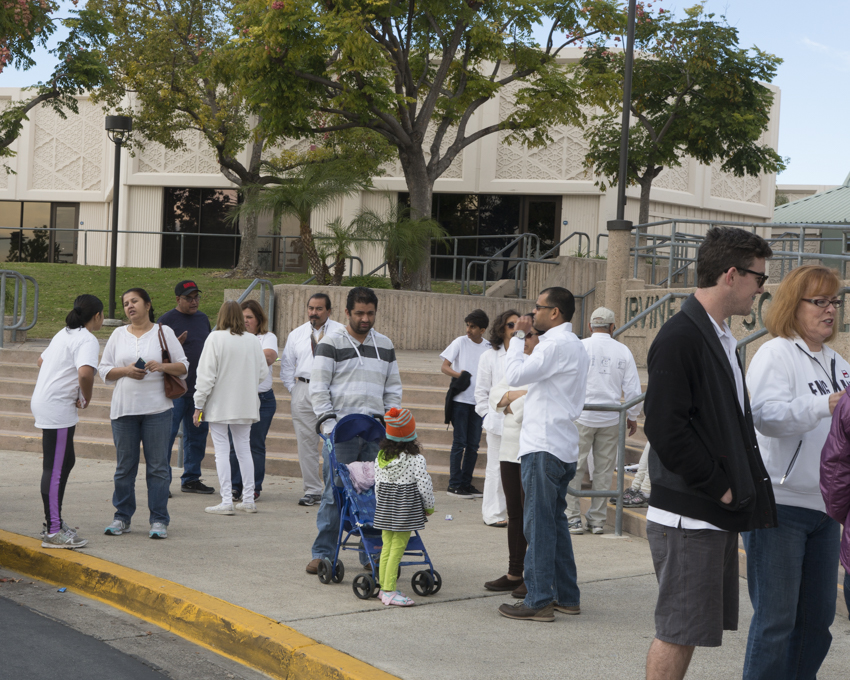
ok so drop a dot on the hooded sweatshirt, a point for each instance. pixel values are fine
(790, 387)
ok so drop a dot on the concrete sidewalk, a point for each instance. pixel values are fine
(257, 562)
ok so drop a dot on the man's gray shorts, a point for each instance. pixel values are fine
(697, 572)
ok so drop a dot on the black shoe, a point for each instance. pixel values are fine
(196, 486)
(473, 492)
(459, 492)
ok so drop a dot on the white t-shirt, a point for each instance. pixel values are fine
(58, 388)
(612, 374)
(464, 355)
(267, 341)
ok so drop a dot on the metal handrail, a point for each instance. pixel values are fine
(19, 302)
(557, 246)
(648, 310)
(621, 459)
(583, 297)
(468, 266)
(599, 236)
(519, 271)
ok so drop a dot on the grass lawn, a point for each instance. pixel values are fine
(60, 284)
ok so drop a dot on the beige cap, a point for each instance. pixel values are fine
(602, 316)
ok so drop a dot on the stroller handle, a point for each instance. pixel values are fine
(328, 416)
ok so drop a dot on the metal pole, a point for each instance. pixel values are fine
(621, 474)
(182, 240)
(670, 260)
(85, 248)
(2, 307)
(116, 182)
(800, 246)
(637, 246)
(622, 176)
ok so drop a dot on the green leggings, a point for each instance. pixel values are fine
(394, 544)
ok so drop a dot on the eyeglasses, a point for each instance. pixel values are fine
(823, 304)
(761, 277)
(191, 298)
(539, 307)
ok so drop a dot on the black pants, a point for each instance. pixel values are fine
(514, 501)
(58, 447)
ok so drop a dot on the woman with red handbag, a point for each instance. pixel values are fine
(141, 409)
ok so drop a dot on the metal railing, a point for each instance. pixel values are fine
(19, 303)
(622, 409)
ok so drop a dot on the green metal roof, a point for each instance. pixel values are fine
(829, 207)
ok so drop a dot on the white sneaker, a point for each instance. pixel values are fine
(596, 530)
(63, 539)
(117, 528)
(158, 530)
(221, 509)
(247, 507)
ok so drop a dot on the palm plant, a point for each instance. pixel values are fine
(403, 237)
(337, 246)
(303, 190)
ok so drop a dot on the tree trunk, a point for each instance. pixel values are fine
(317, 265)
(249, 261)
(339, 269)
(645, 182)
(421, 188)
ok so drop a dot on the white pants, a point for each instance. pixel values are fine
(603, 442)
(493, 507)
(241, 443)
(309, 450)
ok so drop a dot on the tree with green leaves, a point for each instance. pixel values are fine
(695, 93)
(28, 24)
(174, 72)
(416, 72)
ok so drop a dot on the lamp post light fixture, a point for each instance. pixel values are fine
(118, 128)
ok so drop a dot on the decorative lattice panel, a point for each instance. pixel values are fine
(676, 179)
(196, 159)
(726, 185)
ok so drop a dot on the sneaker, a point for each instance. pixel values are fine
(396, 599)
(568, 609)
(63, 539)
(247, 507)
(62, 527)
(596, 530)
(158, 530)
(309, 499)
(221, 509)
(117, 528)
(237, 496)
(458, 492)
(519, 611)
(576, 528)
(472, 491)
(196, 486)
(256, 496)
(628, 494)
(637, 499)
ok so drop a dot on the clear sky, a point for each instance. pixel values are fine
(815, 101)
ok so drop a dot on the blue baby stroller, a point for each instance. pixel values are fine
(356, 516)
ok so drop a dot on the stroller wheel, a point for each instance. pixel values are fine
(422, 583)
(438, 582)
(324, 570)
(364, 586)
(340, 572)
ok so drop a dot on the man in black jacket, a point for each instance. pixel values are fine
(708, 479)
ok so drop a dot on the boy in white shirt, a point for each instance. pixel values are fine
(458, 358)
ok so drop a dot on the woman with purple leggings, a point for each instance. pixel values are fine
(65, 381)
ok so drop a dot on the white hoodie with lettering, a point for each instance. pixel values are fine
(789, 389)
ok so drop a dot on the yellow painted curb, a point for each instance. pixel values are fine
(230, 630)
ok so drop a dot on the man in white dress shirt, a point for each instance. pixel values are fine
(556, 372)
(612, 374)
(295, 367)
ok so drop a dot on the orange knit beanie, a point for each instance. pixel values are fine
(401, 427)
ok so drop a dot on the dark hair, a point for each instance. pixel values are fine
(478, 317)
(499, 326)
(259, 314)
(562, 299)
(85, 307)
(727, 247)
(327, 299)
(392, 448)
(142, 293)
(361, 294)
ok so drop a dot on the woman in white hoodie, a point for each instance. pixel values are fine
(795, 381)
(230, 370)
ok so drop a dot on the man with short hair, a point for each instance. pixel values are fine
(556, 373)
(354, 371)
(295, 367)
(460, 363)
(612, 374)
(708, 478)
(192, 327)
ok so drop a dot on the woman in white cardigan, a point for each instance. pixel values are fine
(230, 370)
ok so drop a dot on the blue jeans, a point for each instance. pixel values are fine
(259, 430)
(327, 520)
(194, 438)
(151, 431)
(550, 567)
(791, 575)
(467, 436)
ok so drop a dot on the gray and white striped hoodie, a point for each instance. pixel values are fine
(349, 377)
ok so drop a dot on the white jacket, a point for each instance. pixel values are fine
(789, 397)
(491, 368)
(511, 423)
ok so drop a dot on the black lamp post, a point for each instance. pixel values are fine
(117, 127)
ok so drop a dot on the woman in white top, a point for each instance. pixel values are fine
(257, 325)
(510, 402)
(65, 381)
(140, 412)
(491, 368)
(231, 369)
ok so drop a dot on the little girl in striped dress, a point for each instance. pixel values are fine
(404, 494)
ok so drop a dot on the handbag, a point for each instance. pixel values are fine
(174, 387)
